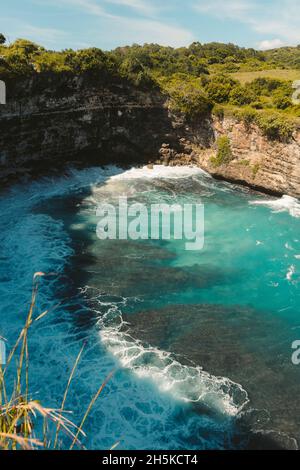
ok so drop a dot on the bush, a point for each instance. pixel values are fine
(275, 127)
(17, 64)
(281, 100)
(248, 115)
(144, 80)
(219, 88)
(224, 153)
(25, 47)
(258, 104)
(90, 60)
(218, 111)
(52, 62)
(188, 96)
(265, 86)
(241, 96)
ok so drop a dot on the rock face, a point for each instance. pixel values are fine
(269, 165)
(258, 162)
(50, 121)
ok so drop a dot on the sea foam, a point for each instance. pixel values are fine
(186, 383)
(284, 204)
(160, 172)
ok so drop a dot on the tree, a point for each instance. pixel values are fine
(91, 60)
(2, 39)
(25, 47)
(240, 96)
(219, 88)
(188, 96)
(281, 100)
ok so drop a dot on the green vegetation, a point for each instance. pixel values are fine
(219, 88)
(224, 153)
(285, 56)
(274, 125)
(186, 94)
(255, 169)
(255, 85)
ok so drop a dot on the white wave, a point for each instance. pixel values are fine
(284, 204)
(290, 273)
(185, 383)
(160, 172)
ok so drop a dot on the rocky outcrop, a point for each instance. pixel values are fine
(258, 162)
(51, 121)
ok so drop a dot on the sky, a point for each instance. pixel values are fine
(60, 24)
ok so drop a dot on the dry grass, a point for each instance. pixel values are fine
(18, 412)
(280, 74)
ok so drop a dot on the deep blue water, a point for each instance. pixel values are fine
(199, 342)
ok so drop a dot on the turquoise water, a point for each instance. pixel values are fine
(199, 342)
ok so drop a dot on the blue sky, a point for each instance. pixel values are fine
(59, 24)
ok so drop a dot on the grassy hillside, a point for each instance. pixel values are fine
(277, 74)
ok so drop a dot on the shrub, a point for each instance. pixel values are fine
(224, 153)
(265, 86)
(188, 96)
(219, 88)
(275, 127)
(91, 60)
(25, 47)
(255, 169)
(258, 104)
(248, 115)
(17, 64)
(241, 96)
(281, 100)
(51, 61)
(218, 111)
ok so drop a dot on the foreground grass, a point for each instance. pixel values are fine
(19, 413)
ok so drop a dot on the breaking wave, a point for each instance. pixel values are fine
(284, 204)
(187, 383)
(161, 172)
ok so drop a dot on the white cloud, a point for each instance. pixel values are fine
(277, 18)
(235, 9)
(142, 6)
(127, 30)
(89, 6)
(270, 44)
(48, 37)
(130, 30)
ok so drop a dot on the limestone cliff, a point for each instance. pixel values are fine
(50, 121)
(271, 166)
